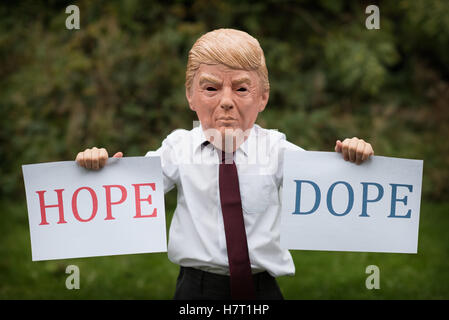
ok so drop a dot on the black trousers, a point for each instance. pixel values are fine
(194, 284)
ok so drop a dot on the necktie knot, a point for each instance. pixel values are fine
(227, 158)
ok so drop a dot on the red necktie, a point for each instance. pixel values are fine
(242, 285)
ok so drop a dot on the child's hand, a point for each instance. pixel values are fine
(354, 150)
(94, 158)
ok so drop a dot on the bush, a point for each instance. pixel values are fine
(118, 81)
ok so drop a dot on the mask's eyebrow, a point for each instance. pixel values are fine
(207, 78)
(241, 80)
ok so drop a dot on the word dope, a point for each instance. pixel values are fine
(350, 192)
(109, 202)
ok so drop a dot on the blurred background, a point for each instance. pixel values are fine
(118, 83)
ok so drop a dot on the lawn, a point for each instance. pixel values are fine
(319, 275)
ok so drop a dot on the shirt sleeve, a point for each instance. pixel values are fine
(287, 145)
(284, 144)
(170, 172)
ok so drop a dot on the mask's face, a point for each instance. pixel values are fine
(226, 99)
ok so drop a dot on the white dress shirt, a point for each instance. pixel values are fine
(197, 237)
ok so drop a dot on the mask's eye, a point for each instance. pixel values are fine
(211, 89)
(242, 89)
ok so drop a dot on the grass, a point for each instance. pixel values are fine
(319, 275)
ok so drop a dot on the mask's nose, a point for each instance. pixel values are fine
(226, 100)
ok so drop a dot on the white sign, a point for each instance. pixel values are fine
(336, 205)
(74, 212)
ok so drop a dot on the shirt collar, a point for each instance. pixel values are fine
(251, 137)
(199, 139)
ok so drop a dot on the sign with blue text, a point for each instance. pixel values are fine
(336, 205)
(74, 212)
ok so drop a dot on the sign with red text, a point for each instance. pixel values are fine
(336, 205)
(74, 212)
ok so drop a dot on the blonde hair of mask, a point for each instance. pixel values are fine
(232, 48)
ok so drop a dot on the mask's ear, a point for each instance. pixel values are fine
(189, 99)
(264, 100)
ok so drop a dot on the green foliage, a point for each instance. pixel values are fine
(118, 82)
